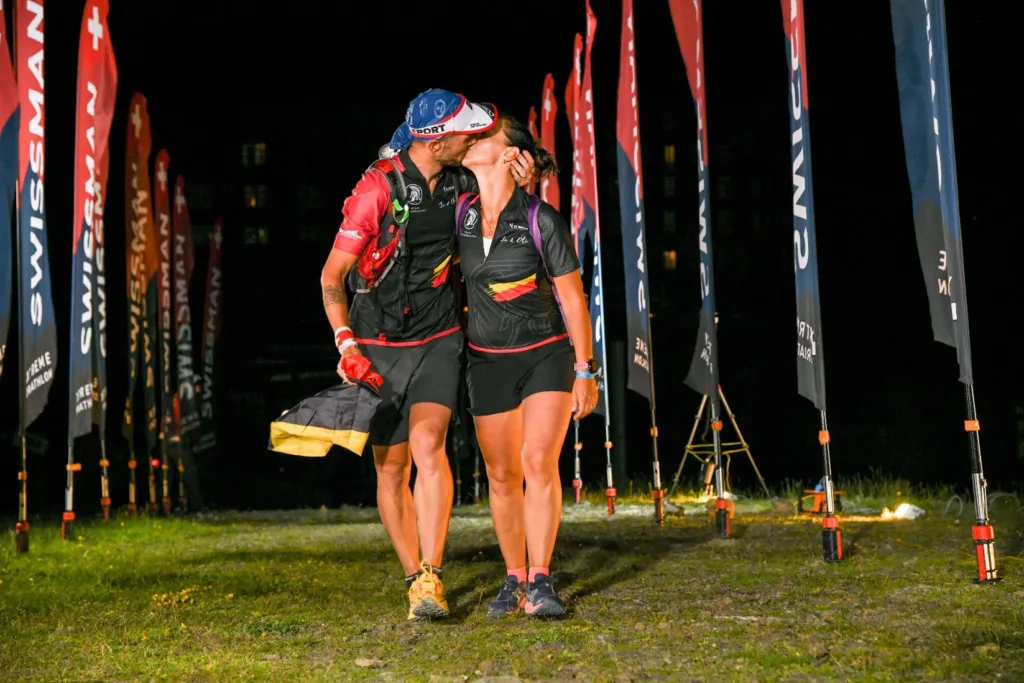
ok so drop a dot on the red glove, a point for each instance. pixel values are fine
(359, 368)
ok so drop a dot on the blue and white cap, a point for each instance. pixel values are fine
(437, 113)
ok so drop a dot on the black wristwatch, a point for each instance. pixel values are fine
(591, 367)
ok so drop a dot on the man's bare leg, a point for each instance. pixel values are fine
(428, 428)
(395, 502)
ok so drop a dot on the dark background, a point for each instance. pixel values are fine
(322, 85)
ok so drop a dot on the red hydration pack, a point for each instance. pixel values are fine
(388, 247)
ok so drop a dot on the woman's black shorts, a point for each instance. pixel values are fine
(498, 382)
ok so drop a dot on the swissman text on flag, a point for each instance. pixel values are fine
(165, 324)
(587, 210)
(922, 74)
(143, 261)
(38, 323)
(549, 191)
(809, 354)
(97, 91)
(631, 209)
(703, 374)
(8, 180)
(184, 262)
(211, 331)
(99, 320)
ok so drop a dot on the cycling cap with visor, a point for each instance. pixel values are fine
(436, 113)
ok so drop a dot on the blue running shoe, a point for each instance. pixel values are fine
(511, 598)
(541, 600)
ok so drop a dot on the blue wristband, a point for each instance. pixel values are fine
(584, 375)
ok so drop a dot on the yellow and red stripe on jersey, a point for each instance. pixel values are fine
(441, 272)
(506, 291)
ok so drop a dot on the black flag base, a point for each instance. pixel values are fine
(722, 522)
(832, 539)
(67, 527)
(21, 537)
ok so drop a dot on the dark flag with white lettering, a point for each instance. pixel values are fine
(165, 326)
(549, 191)
(184, 262)
(99, 319)
(922, 74)
(703, 374)
(97, 84)
(211, 331)
(586, 210)
(631, 209)
(38, 322)
(809, 353)
(8, 175)
(142, 258)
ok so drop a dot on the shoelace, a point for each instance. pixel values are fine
(427, 574)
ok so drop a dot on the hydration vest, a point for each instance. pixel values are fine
(387, 255)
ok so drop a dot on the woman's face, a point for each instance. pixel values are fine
(490, 149)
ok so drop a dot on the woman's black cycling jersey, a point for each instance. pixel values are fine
(512, 305)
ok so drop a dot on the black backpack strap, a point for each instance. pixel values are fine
(397, 191)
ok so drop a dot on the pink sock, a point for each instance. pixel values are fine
(520, 574)
(538, 570)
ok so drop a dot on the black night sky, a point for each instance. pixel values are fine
(324, 84)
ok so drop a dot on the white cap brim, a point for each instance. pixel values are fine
(469, 119)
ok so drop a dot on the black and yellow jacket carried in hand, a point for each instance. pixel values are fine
(339, 416)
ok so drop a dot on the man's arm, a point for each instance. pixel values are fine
(362, 213)
(332, 284)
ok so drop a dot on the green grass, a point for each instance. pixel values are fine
(317, 596)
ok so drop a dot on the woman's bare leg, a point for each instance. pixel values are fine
(501, 438)
(545, 421)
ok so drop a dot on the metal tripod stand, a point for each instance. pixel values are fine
(703, 451)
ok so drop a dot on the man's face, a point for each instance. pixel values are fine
(452, 148)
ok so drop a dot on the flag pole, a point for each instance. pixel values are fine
(21, 527)
(831, 537)
(104, 479)
(722, 521)
(577, 481)
(133, 507)
(67, 524)
(165, 467)
(982, 533)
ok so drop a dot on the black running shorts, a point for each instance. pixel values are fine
(498, 382)
(425, 373)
